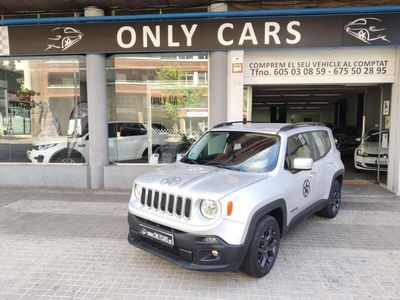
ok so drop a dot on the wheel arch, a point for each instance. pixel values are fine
(65, 151)
(338, 176)
(276, 209)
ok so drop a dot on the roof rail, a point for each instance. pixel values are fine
(299, 125)
(235, 122)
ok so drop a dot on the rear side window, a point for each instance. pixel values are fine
(322, 143)
(132, 129)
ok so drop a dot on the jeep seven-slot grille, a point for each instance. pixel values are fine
(169, 203)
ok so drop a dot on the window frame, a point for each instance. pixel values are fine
(285, 165)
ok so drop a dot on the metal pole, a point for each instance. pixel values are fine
(363, 117)
(149, 123)
(249, 103)
(380, 137)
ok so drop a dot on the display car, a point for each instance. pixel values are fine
(126, 141)
(366, 154)
(227, 203)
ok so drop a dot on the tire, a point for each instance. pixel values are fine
(335, 200)
(145, 152)
(69, 160)
(263, 248)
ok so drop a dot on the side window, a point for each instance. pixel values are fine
(322, 143)
(112, 130)
(132, 129)
(297, 146)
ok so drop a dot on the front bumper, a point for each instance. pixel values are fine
(35, 156)
(189, 250)
(368, 163)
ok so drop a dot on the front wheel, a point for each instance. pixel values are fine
(263, 249)
(335, 200)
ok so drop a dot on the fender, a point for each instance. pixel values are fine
(264, 210)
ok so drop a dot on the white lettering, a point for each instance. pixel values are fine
(295, 33)
(189, 34)
(271, 30)
(221, 39)
(148, 33)
(132, 37)
(248, 34)
(171, 42)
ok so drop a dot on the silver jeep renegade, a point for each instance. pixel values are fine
(227, 203)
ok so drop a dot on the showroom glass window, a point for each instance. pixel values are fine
(43, 111)
(158, 105)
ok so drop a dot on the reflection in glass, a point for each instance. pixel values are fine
(42, 114)
(158, 105)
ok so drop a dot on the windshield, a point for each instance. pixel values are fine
(241, 151)
(373, 136)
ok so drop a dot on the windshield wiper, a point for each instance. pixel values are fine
(189, 160)
(224, 167)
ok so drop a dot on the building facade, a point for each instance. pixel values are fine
(94, 101)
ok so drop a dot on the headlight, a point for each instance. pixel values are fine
(209, 208)
(138, 191)
(361, 153)
(46, 146)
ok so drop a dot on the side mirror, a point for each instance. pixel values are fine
(303, 163)
(358, 139)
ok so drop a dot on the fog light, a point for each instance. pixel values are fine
(215, 253)
(210, 240)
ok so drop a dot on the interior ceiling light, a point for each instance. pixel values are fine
(319, 102)
(313, 107)
(297, 102)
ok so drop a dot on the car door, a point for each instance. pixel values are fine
(301, 185)
(133, 140)
(321, 145)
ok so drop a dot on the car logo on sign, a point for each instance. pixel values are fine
(306, 188)
(171, 181)
(367, 30)
(65, 38)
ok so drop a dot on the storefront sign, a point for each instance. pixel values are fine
(345, 65)
(204, 34)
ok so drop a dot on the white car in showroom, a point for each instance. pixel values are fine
(366, 154)
(127, 141)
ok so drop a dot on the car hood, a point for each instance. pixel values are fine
(372, 148)
(56, 140)
(198, 180)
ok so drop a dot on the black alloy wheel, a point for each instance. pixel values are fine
(263, 248)
(267, 250)
(334, 201)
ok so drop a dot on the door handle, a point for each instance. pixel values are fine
(312, 174)
(330, 165)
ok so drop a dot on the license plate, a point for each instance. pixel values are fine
(382, 161)
(156, 235)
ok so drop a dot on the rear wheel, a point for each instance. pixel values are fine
(263, 249)
(335, 200)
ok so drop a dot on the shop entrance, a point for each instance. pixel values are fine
(359, 117)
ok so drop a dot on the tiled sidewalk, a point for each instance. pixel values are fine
(59, 244)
